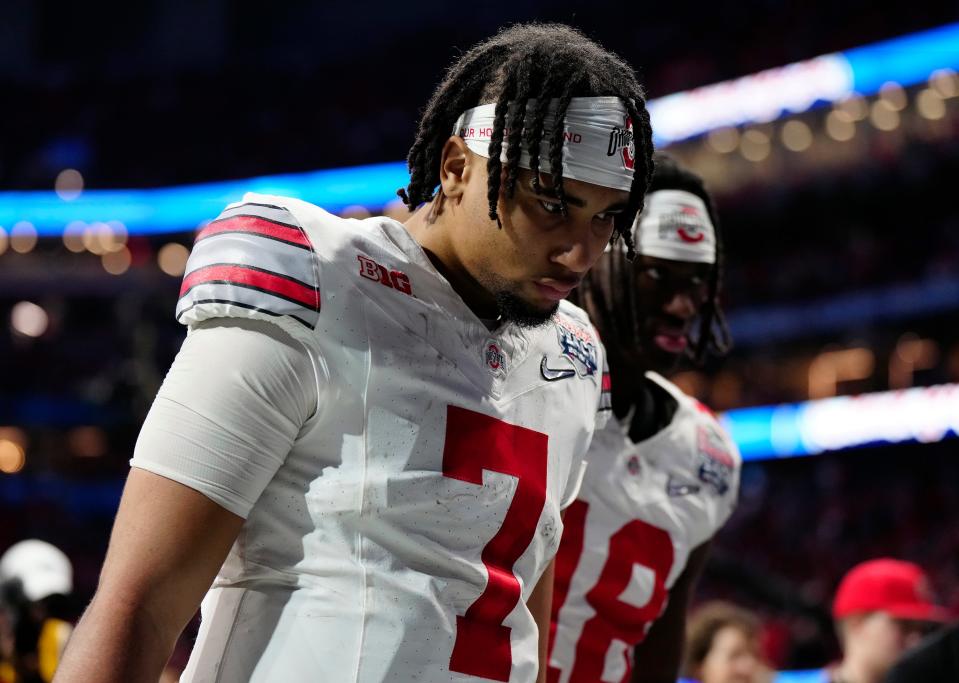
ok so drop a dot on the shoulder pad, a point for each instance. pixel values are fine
(569, 310)
(253, 261)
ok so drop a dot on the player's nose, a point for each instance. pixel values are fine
(579, 249)
(680, 304)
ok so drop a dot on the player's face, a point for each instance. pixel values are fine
(669, 296)
(539, 255)
(882, 639)
(733, 658)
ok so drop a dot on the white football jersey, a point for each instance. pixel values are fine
(404, 531)
(642, 509)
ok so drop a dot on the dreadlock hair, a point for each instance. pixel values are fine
(534, 61)
(608, 293)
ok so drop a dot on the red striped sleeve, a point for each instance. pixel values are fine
(251, 277)
(257, 226)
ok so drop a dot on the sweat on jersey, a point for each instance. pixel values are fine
(400, 467)
(642, 509)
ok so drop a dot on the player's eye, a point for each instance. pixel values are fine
(551, 207)
(653, 273)
(607, 216)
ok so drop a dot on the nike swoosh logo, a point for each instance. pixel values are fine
(551, 375)
(677, 489)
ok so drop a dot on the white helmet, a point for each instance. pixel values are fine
(42, 569)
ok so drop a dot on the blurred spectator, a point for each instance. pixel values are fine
(723, 646)
(7, 672)
(935, 660)
(882, 609)
(36, 578)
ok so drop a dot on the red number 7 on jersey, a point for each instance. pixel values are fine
(477, 442)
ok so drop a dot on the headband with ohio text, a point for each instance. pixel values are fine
(598, 143)
(675, 225)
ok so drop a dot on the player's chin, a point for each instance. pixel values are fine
(658, 359)
(524, 311)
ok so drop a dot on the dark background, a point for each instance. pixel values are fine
(158, 93)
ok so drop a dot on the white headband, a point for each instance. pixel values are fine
(675, 225)
(598, 143)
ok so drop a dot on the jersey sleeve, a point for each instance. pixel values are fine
(229, 411)
(733, 498)
(254, 261)
(605, 408)
(722, 468)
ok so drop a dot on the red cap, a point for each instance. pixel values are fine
(898, 588)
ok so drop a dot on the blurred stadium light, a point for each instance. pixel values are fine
(759, 97)
(182, 208)
(809, 676)
(796, 87)
(920, 414)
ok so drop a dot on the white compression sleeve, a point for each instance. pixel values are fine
(229, 410)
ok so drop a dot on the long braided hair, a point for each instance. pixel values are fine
(540, 62)
(608, 293)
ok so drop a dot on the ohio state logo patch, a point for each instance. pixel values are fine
(578, 345)
(622, 140)
(687, 223)
(494, 357)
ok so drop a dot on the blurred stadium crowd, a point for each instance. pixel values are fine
(842, 275)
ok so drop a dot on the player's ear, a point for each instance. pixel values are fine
(456, 165)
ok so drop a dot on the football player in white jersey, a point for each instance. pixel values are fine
(663, 475)
(368, 436)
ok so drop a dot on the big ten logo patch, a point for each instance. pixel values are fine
(716, 464)
(578, 344)
(393, 279)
